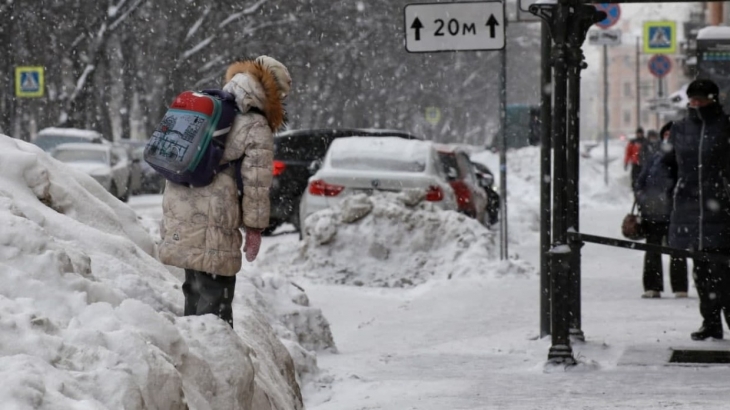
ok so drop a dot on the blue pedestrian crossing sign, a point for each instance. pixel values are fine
(29, 81)
(660, 37)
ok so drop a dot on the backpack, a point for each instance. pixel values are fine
(187, 146)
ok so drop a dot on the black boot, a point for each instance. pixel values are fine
(705, 332)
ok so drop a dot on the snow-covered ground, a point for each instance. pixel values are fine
(472, 342)
(89, 319)
(460, 333)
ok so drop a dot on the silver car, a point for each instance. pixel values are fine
(108, 165)
(377, 164)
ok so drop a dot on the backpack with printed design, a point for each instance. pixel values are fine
(187, 146)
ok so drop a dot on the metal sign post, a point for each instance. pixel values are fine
(546, 108)
(613, 14)
(504, 232)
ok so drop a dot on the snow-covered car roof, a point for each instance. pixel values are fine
(714, 33)
(380, 147)
(69, 132)
(83, 146)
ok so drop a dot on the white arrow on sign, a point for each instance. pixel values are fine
(454, 26)
(609, 37)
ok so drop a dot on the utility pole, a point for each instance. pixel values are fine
(504, 236)
(638, 82)
(545, 176)
(605, 114)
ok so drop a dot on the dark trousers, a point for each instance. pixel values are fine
(653, 269)
(635, 172)
(713, 287)
(206, 293)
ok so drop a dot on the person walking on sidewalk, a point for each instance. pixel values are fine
(701, 215)
(654, 197)
(633, 155)
(201, 229)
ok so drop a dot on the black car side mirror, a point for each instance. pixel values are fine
(315, 166)
(486, 181)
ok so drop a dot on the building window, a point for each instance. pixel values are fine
(647, 89)
(645, 116)
(627, 117)
(628, 61)
(628, 89)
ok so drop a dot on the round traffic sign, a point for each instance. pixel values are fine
(660, 65)
(613, 13)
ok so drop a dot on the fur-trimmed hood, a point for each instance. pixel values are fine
(255, 86)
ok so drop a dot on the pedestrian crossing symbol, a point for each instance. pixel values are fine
(29, 82)
(660, 37)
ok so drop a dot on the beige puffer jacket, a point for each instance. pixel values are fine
(201, 226)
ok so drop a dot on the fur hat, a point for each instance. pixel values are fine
(702, 88)
(281, 74)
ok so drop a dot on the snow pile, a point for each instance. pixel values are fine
(90, 319)
(390, 240)
(302, 329)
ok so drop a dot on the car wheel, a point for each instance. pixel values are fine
(113, 190)
(273, 224)
(295, 216)
(125, 197)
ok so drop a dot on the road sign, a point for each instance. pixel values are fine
(611, 37)
(613, 13)
(433, 115)
(454, 26)
(29, 82)
(660, 65)
(660, 37)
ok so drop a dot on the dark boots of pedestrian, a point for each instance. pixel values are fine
(706, 332)
(209, 294)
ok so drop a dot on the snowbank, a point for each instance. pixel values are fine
(89, 319)
(390, 240)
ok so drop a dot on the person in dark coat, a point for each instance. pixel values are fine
(700, 218)
(653, 189)
(652, 144)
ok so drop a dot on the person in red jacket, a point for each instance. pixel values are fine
(633, 157)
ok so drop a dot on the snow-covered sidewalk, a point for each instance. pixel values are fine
(471, 344)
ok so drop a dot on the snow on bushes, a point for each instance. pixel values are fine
(89, 319)
(391, 240)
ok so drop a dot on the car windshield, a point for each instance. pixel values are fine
(379, 154)
(77, 155)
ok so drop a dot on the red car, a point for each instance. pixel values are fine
(470, 197)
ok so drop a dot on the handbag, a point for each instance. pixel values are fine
(631, 227)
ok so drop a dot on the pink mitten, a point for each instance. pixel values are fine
(252, 244)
